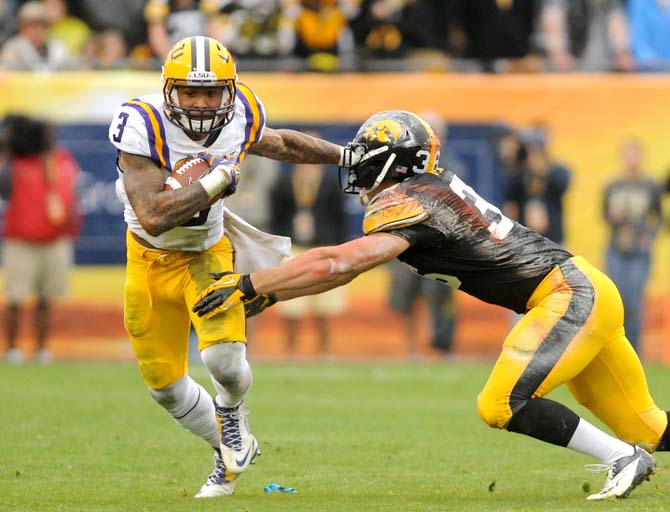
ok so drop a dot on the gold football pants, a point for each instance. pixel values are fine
(161, 288)
(573, 333)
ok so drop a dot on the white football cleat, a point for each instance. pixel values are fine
(239, 447)
(625, 474)
(220, 483)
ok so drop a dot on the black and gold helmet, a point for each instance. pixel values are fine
(397, 145)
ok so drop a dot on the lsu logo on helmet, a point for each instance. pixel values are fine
(199, 62)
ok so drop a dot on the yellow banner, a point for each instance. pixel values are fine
(588, 117)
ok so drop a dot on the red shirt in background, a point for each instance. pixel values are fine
(26, 215)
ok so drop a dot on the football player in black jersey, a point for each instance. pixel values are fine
(572, 328)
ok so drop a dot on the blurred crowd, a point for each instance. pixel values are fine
(495, 36)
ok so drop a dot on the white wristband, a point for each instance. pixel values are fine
(341, 163)
(214, 182)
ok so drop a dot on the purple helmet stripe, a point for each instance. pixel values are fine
(150, 130)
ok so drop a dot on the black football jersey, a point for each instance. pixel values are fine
(459, 238)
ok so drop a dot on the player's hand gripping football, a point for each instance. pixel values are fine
(228, 291)
(227, 167)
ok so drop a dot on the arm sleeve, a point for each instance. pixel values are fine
(418, 235)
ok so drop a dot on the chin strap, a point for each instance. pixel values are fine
(364, 192)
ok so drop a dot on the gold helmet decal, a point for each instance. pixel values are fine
(386, 131)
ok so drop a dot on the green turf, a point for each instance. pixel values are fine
(348, 437)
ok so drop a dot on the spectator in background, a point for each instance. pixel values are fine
(586, 35)
(632, 209)
(497, 34)
(7, 19)
(407, 286)
(308, 206)
(110, 50)
(322, 34)
(41, 221)
(390, 28)
(534, 195)
(71, 31)
(32, 49)
(509, 152)
(169, 21)
(254, 28)
(125, 16)
(650, 34)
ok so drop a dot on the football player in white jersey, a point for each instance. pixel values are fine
(176, 238)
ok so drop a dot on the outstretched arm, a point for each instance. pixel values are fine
(296, 147)
(324, 268)
(314, 271)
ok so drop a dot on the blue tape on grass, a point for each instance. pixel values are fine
(277, 487)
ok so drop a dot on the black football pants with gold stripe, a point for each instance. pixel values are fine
(572, 334)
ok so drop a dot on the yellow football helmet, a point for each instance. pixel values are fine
(199, 61)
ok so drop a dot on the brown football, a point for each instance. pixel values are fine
(188, 171)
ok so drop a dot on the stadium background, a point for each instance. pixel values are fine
(588, 116)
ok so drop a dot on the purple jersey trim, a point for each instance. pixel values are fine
(151, 135)
(166, 150)
(249, 114)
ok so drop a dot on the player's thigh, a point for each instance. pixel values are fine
(226, 327)
(558, 337)
(156, 318)
(614, 388)
(21, 269)
(55, 265)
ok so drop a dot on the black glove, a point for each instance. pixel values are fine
(258, 304)
(228, 292)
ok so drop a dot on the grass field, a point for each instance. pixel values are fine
(348, 437)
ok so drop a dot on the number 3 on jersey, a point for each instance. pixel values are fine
(499, 225)
(123, 119)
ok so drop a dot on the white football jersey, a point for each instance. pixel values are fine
(140, 127)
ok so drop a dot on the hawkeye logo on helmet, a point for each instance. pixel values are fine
(384, 131)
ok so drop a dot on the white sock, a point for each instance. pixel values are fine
(592, 441)
(191, 406)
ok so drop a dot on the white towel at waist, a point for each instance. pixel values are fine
(254, 249)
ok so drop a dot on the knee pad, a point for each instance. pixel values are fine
(226, 362)
(178, 395)
(493, 412)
